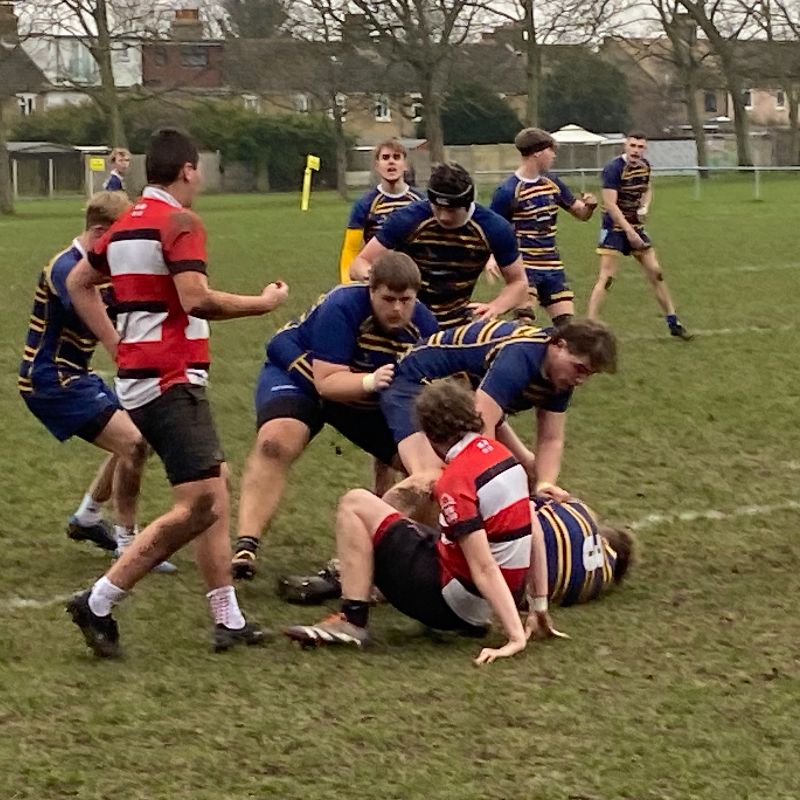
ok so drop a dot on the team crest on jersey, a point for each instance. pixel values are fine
(448, 506)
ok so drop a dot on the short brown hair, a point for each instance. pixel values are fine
(104, 207)
(446, 411)
(531, 140)
(623, 543)
(396, 271)
(635, 134)
(593, 339)
(393, 144)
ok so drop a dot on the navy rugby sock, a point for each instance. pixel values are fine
(356, 612)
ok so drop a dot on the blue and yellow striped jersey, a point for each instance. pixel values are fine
(340, 328)
(531, 206)
(450, 259)
(59, 346)
(504, 359)
(580, 563)
(631, 181)
(370, 210)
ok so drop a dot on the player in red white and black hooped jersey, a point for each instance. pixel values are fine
(482, 488)
(455, 576)
(160, 344)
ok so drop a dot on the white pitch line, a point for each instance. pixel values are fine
(759, 267)
(653, 520)
(742, 331)
(20, 603)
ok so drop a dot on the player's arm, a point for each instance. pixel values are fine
(538, 623)
(583, 207)
(351, 247)
(647, 199)
(340, 384)
(82, 283)
(506, 435)
(550, 428)
(490, 411)
(513, 295)
(199, 300)
(362, 263)
(490, 583)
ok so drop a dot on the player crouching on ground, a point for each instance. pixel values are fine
(454, 577)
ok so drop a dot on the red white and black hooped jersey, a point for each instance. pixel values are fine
(482, 487)
(160, 344)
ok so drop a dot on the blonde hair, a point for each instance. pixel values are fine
(104, 207)
(119, 151)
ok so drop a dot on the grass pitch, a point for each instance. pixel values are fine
(682, 684)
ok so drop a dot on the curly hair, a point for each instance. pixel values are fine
(593, 339)
(446, 411)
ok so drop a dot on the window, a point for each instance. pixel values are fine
(710, 101)
(747, 98)
(194, 56)
(301, 104)
(27, 104)
(341, 104)
(416, 107)
(252, 102)
(383, 111)
(160, 56)
(780, 100)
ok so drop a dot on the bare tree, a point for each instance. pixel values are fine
(425, 34)
(546, 22)
(723, 22)
(255, 19)
(101, 26)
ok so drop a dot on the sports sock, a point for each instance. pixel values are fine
(356, 612)
(89, 512)
(672, 320)
(249, 543)
(104, 596)
(225, 607)
(124, 536)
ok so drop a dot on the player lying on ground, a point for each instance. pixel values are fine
(529, 199)
(514, 367)
(61, 390)
(454, 577)
(328, 367)
(450, 238)
(584, 557)
(372, 208)
(627, 195)
(156, 256)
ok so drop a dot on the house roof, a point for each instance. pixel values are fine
(17, 72)
(39, 148)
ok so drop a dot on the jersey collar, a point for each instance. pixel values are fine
(157, 193)
(527, 180)
(395, 195)
(76, 243)
(459, 447)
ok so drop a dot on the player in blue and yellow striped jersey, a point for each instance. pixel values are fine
(513, 367)
(627, 194)
(63, 392)
(450, 237)
(372, 208)
(584, 558)
(328, 367)
(529, 199)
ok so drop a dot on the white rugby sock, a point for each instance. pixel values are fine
(124, 536)
(105, 595)
(225, 607)
(89, 512)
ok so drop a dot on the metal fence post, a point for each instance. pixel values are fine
(697, 184)
(756, 184)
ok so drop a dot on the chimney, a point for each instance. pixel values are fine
(686, 27)
(187, 27)
(9, 33)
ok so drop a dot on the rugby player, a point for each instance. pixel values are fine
(372, 208)
(529, 199)
(449, 578)
(328, 367)
(514, 367)
(120, 160)
(61, 390)
(450, 238)
(627, 195)
(155, 254)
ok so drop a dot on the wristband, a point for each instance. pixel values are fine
(368, 382)
(539, 604)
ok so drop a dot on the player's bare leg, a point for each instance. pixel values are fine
(561, 312)
(418, 456)
(280, 442)
(655, 277)
(605, 277)
(101, 486)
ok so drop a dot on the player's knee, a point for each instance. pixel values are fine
(135, 451)
(355, 500)
(201, 512)
(561, 319)
(272, 446)
(609, 282)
